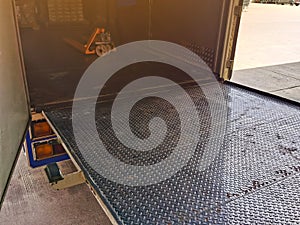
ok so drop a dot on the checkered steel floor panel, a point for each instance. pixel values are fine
(253, 180)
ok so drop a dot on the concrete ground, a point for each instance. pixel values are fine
(31, 201)
(270, 35)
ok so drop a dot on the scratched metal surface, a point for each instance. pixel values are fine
(254, 179)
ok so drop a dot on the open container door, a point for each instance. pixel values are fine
(231, 34)
(14, 107)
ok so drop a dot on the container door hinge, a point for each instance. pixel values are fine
(230, 64)
(238, 11)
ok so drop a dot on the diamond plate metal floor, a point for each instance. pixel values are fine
(254, 179)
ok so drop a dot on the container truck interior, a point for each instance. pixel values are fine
(254, 171)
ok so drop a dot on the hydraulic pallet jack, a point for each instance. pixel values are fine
(99, 43)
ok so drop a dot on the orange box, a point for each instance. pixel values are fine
(43, 151)
(41, 129)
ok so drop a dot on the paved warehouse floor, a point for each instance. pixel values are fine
(30, 200)
(268, 49)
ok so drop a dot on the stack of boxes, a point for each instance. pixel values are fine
(65, 11)
(27, 14)
(42, 144)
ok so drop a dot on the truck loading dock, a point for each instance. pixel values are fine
(251, 177)
(268, 48)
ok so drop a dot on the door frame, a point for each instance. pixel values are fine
(231, 34)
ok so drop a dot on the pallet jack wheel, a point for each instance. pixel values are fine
(101, 50)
